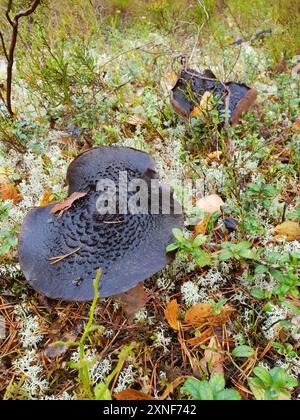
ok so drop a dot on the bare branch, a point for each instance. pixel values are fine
(13, 42)
(202, 5)
(28, 11)
(3, 46)
(9, 5)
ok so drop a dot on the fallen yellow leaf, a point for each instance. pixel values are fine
(5, 174)
(47, 199)
(289, 230)
(202, 314)
(132, 394)
(216, 155)
(198, 314)
(195, 112)
(135, 120)
(203, 107)
(200, 229)
(295, 126)
(172, 314)
(171, 79)
(9, 192)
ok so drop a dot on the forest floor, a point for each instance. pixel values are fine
(246, 303)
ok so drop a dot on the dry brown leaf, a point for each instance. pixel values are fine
(290, 230)
(170, 79)
(47, 199)
(296, 125)
(210, 203)
(133, 300)
(9, 192)
(5, 174)
(172, 314)
(200, 229)
(216, 155)
(202, 339)
(204, 106)
(195, 112)
(56, 351)
(135, 120)
(203, 313)
(198, 314)
(296, 69)
(67, 203)
(66, 139)
(172, 386)
(132, 394)
(213, 358)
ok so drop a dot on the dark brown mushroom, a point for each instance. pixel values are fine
(191, 86)
(129, 248)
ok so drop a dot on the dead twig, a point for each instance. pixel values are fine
(55, 260)
(10, 52)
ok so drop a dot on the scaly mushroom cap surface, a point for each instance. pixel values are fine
(129, 248)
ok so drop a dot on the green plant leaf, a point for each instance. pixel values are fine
(256, 388)
(201, 258)
(199, 240)
(172, 247)
(261, 269)
(258, 294)
(263, 374)
(247, 253)
(225, 255)
(243, 351)
(217, 383)
(277, 274)
(191, 387)
(101, 393)
(178, 234)
(205, 391)
(228, 395)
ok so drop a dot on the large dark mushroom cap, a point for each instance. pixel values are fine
(129, 248)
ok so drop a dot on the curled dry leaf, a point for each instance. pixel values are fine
(195, 112)
(136, 120)
(172, 314)
(133, 300)
(202, 338)
(53, 351)
(5, 174)
(132, 394)
(201, 228)
(296, 125)
(170, 79)
(172, 386)
(198, 314)
(203, 313)
(216, 155)
(9, 192)
(47, 199)
(210, 203)
(212, 361)
(289, 230)
(67, 203)
(204, 106)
